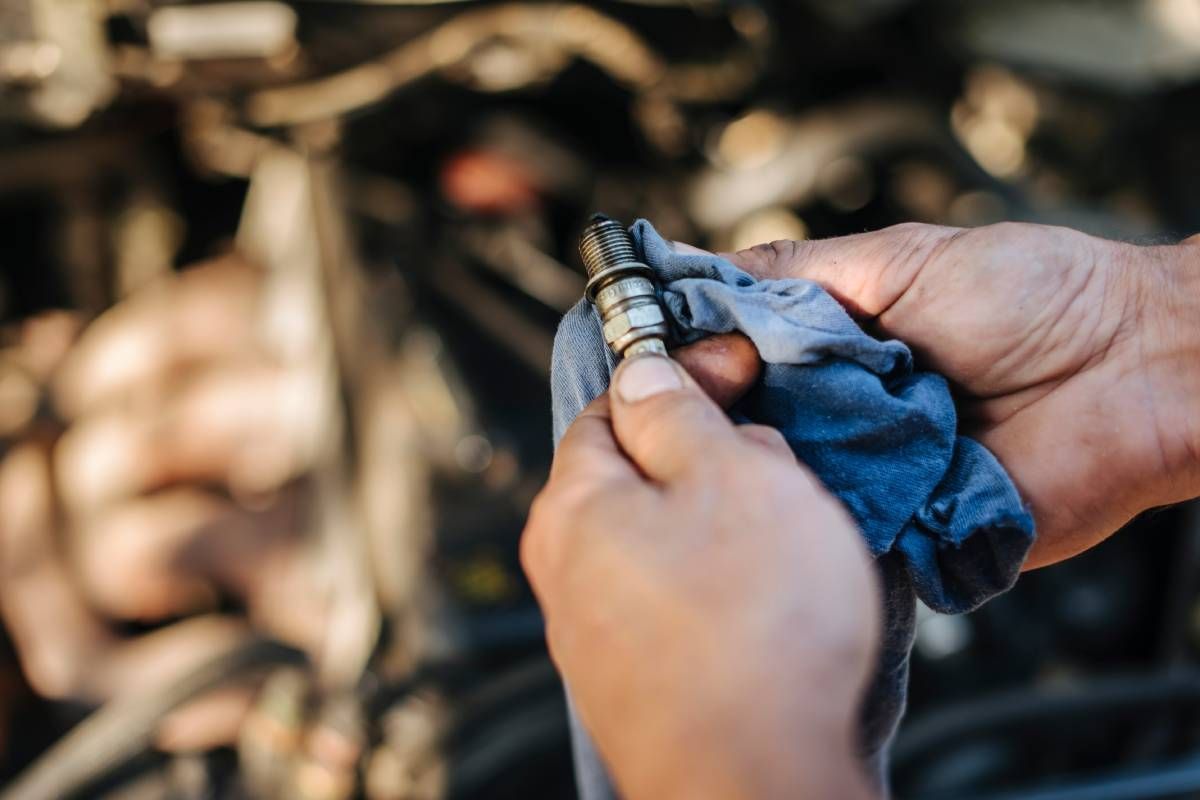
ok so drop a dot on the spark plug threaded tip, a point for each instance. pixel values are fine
(605, 243)
(622, 289)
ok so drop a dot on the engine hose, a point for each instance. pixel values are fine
(125, 727)
(1130, 693)
(1171, 780)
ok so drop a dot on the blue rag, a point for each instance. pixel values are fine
(938, 512)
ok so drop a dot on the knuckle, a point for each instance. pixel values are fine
(670, 428)
(734, 472)
(1007, 229)
(769, 259)
(536, 544)
(917, 237)
(527, 552)
(578, 499)
(909, 246)
(907, 229)
(538, 510)
(776, 437)
(555, 510)
(782, 250)
(526, 547)
(919, 232)
(751, 260)
(772, 437)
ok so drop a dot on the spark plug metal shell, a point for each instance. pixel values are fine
(622, 289)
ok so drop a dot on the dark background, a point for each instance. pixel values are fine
(460, 184)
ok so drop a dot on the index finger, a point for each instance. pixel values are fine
(865, 272)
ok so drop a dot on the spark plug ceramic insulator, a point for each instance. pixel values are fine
(622, 290)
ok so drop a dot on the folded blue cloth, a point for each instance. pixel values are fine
(936, 509)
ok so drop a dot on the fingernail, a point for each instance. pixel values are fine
(647, 376)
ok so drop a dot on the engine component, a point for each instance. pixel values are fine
(54, 62)
(622, 290)
(411, 176)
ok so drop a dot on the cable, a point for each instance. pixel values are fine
(124, 727)
(1024, 706)
(551, 32)
(1180, 779)
(525, 732)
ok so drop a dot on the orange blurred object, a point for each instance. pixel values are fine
(487, 182)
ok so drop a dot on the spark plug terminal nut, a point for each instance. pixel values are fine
(622, 289)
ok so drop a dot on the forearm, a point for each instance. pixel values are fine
(1173, 306)
(1169, 312)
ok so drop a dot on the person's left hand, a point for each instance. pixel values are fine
(1075, 360)
(710, 606)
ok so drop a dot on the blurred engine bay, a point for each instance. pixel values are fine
(408, 179)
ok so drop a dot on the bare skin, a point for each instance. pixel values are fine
(665, 601)
(1077, 359)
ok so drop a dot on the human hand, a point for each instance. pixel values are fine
(1076, 360)
(172, 482)
(710, 605)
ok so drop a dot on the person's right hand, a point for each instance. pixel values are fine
(710, 605)
(1077, 359)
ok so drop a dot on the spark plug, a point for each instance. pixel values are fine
(622, 290)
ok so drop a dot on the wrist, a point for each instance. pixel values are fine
(798, 740)
(817, 761)
(1167, 352)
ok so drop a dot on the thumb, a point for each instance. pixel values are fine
(664, 421)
